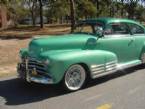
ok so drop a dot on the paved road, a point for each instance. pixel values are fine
(122, 90)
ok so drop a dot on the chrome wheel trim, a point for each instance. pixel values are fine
(75, 77)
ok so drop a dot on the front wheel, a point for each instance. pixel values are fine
(74, 78)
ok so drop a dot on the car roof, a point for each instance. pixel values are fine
(107, 20)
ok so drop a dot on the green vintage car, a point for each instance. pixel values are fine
(96, 48)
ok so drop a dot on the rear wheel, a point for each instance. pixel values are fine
(74, 78)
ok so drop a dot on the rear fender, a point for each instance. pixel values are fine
(142, 54)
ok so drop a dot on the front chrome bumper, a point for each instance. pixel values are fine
(26, 74)
(42, 80)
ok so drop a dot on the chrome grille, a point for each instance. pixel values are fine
(37, 65)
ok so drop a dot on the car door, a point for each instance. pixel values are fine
(117, 39)
(138, 33)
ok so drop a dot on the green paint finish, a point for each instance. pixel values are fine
(108, 20)
(81, 48)
(59, 62)
(64, 42)
(24, 53)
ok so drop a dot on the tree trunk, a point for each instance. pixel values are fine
(72, 14)
(97, 8)
(131, 9)
(33, 18)
(3, 16)
(41, 13)
(122, 9)
(33, 14)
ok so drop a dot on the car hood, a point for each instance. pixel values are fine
(61, 42)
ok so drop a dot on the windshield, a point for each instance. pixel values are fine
(88, 28)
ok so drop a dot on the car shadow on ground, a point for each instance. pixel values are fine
(17, 92)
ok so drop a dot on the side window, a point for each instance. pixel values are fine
(136, 29)
(87, 29)
(84, 28)
(116, 28)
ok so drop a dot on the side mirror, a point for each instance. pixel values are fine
(100, 34)
(99, 31)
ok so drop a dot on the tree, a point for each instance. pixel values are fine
(33, 7)
(60, 10)
(122, 9)
(98, 7)
(41, 13)
(15, 10)
(4, 2)
(52, 12)
(131, 8)
(85, 8)
(72, 14)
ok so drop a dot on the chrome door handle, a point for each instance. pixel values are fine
(131, 41)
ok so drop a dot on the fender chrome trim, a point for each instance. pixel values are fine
(110, 68)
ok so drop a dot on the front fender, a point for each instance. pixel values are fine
(61, 61)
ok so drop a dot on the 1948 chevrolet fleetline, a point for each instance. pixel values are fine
(96, 48)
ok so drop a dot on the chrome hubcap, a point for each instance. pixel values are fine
(74, 79)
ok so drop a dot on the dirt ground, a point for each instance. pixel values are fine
(28, 31)
(12, 40)
(9, 55)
